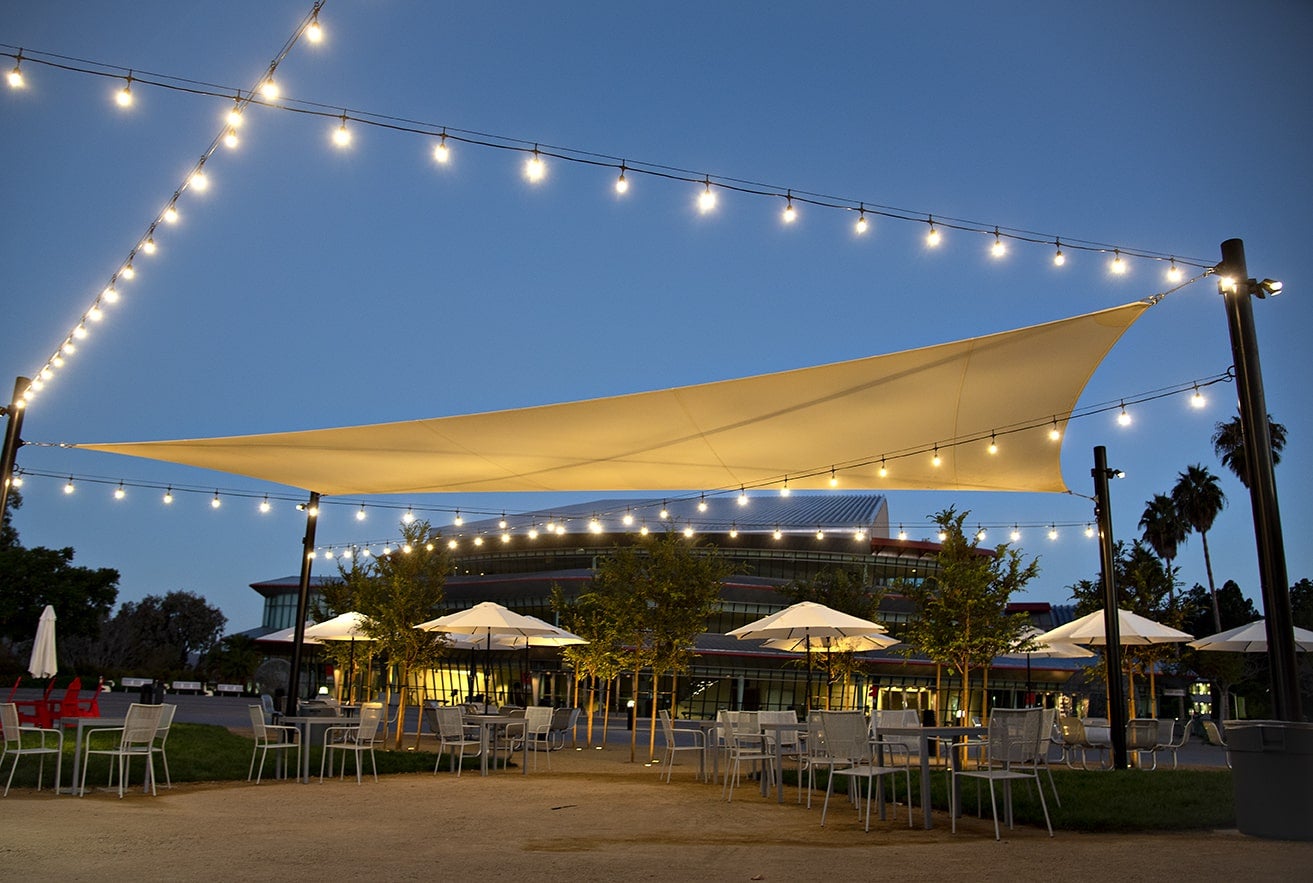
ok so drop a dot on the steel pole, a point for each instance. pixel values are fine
(1272, 578)
(1112, 631)
(13, 441)
(302, 603)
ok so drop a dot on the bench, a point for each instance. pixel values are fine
(235, 689)
(135, 683)
(186, 686)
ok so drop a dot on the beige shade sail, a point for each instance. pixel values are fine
(749, 432)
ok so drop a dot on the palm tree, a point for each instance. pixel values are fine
(1198, 498)
(1229, 443)
(1164, 530)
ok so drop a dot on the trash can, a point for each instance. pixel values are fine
(1272, 774)
(152, 693)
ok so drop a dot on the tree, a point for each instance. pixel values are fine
(161, 635)
(233, 660)
(1225, 670)
(1199, 500)
(1229, 445)
(32, 578)
(1301, 603)
(601, 660)
(963, 621)
(841, 590)
(1164, 531)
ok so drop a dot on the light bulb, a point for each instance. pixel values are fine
(993, 444)
(230, 139)
(341, 136)
(932, 238)
(664, 513)
(884, 470)
(1015, 535)
(778, 533)
(407, 517)
(1123, 419)
(1197, 400)
(16, 76)
(533, 533)
(790, 213)
(478, 541)
(458, 520)
(594, 526)
(168, 495)
(441, 152)
(1174, 273)
(264, 505)
(534, 168)
(622, 183)
(216, 502)
(269, 89)
(346, 553)
(506, 536)
(743, 497)
(1054, 432)
(1053, 533)
(980, 535)
(234, 118)
(1058, 257)
(643, 530)
(688, 530)
(706, 199)
(998, 249)
(784, 489)
(902, 534)
(862, 225)
(198, 181)
(94, 314)
(859, 534)
(628, 518)
(702, 503)
(360, 513)
(943, 535)
(149, 246)
(69, 348)
(502, 523)
(313, 31)
(733, 531)
(1118, 266)
(80, 332)
(935, 459)
(820, 534)
(171, 214)
(124, 96)
(128, 272)
(452, 544)
(68, 486)
(1089, 530)
(17, 481)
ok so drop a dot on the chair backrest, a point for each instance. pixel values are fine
(1073, 731)
(564, 719)
(71, 694)
(896, 717)
(446, 721)
(1141, 733)
(1014, 735)
(667, 726)
(538, 719)
(9, 724)
(371, 716)
(845, 735)
(1211, 732)
(788, 738)
(140, 725)
(267, 707)
(257, 720)
(166, 721)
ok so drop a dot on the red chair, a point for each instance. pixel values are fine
(85, 707)
(36, 711)
(65, 707)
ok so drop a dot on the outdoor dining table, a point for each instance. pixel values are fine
(306, 724)
(488, 724)
(924, 735)
(709, 729)
(773, 730)
(82, 724)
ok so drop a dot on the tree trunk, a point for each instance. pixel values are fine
(1212, 590)
(633, 730)
(652, 723)
(1130, 692)
(984, 697)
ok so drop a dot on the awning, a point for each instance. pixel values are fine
(750, 432)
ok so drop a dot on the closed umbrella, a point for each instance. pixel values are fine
(488, 620)
(1250, 638)
(806, 620)
(43, 663)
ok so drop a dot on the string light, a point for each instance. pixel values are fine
(1054, 433)
(68, 486)
(884, 470)
(998, 249)
(120, 492)
(784, 489)
(1123, 419)
(1015, 536)
(980, 534)
(148, 244)
(935, 459)
(943, 535)
(778, 533)
(993, 444)
(1053, 532)
(234, 118)
(859, 534)
(628, 518)
(534, 168)
(642, 531)
(502, 522)
(408, 517)
(1089, 530)
(1174, 273)
(198, 180)
(1118, 266)
(594, 526)
(688, 531)
(733, 530)
(124, 96)
(16, 75)
(360, 513)
(230, 139)
(902, 534)
(622, 183)
(707, 199)
(1197, 400)
(1058, 257)
(862, 224)
(313, 31)
(168, 495)
(170, 215)
(834, 479)
(932, 239)
(342, 137)
(216, 502)
(458, 521)
(269, 89)
(664, 513)
(265, 506)
(743, 496)
(441, 152)
(820, 534)
(790, 213)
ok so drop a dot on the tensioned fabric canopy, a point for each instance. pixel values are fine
(750, 432)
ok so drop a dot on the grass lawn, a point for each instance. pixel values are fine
(1126, 800)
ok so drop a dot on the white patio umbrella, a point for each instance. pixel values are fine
(43, 663)
(1135, 630)
(1250, 638)
(1043, 650)
(804, 621)
(347, 626)
(288, 635)
(486, 620)
(856, 644)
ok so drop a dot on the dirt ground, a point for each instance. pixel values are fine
(594, 816)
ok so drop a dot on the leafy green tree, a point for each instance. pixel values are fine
(1229, 445)
(1164, 531)
(963, 621)
(843, 590)
(602, 659)
(160, 635)
(397, 592)
(233, 661)
(32, 578)
(1226, 671)
(1199, 500)
(1301, 603)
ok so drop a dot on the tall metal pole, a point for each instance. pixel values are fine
(1112, 630)
(1272, 578)
(13, 440)
(302, 601)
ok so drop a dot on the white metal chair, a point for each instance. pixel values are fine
(267, 736)
(792, 746)
(136, 739)
(1142, 739)
(1074, 737)
(1009, 755)
(161, 740)
(563, 721)
(744, 743)
(847, 745)
(448, 726)
(697, 742)
(13, 745)
(356, 739)
(537, 730)
(1168, 741)
(1213, 737)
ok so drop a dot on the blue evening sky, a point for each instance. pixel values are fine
(313, 286)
